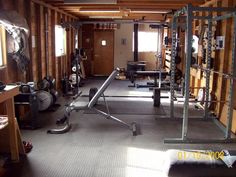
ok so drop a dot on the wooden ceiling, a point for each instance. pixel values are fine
(125, 9)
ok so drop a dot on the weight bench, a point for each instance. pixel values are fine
(76, 106)
(156, 74)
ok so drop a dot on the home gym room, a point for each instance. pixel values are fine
(117, 88)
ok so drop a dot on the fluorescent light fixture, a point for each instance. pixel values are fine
(98, 17)
(99, 11)
(149, 12)
(90, 1)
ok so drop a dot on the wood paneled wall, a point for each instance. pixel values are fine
(34, 12)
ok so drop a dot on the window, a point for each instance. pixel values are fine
(1, 57)
(76, 40)
(2, 46)
(104, 42)
(60, 41)
(147, 42)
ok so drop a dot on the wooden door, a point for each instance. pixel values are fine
(103, 53)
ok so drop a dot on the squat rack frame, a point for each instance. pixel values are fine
(188, 12)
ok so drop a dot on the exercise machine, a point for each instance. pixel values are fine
(77, 105)
(70, 86)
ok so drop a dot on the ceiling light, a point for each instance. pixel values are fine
(90, 1)
(111, 17)
(99, 11)
(149, 11)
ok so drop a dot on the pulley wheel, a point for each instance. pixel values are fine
(74, 68)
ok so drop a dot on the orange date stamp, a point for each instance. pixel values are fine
(200, 155)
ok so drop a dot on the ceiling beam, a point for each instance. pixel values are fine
(52, 7)
(124, 6)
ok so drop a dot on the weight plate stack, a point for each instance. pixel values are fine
(92, 92)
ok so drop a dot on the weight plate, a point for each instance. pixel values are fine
(200, 96)
(73, 79)
(92, 92)
(45, 100)
(54, 94)
(177, 60)
(43, 84)
(74, 69)
(2, 86)
(156, 97)
(25, 88)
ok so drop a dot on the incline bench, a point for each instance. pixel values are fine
(77, 105)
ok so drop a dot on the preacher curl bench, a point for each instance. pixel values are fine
(77, 105)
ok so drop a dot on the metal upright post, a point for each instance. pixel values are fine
(184, 139)
(231, 92)
(208, 72)
(172, 66)
(160, 69)
(187, 70)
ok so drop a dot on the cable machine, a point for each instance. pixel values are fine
(187, 13)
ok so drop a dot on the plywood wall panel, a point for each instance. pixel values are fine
(29, 73)
(33, 36)
(50, 46)
(42, 42)
(34, 13)
(52, 38)
(68, 41)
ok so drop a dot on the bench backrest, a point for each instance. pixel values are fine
(102, 89)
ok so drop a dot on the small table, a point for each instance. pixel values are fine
(15, 143)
